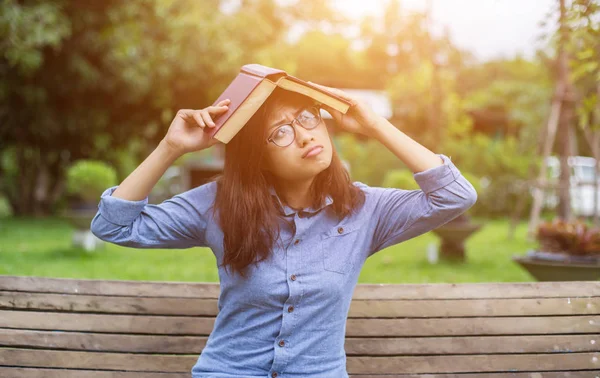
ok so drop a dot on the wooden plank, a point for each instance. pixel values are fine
(106, 304)
(471, 345)
(571, 289)
(473, 326)
(473, 363)
(206, 290)
(7, 372)
(179, 325)
(10, 372)
(172, 325)
(358, 308)
(474, 307)
(96, 360)
(546, 374)
(101, 342)
(355, 365)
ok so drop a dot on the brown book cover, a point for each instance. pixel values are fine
(251, 88)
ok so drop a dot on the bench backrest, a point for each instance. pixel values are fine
(66, 328)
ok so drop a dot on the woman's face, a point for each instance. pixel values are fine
(290, 163)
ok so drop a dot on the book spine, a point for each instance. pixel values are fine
(237, 91)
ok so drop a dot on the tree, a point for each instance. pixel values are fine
(93, 78)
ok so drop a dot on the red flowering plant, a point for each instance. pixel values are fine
(570, 237)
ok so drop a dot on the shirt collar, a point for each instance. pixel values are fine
(289, 211)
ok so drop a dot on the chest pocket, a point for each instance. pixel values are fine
(337, 247)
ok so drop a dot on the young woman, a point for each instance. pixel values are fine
(289, 229)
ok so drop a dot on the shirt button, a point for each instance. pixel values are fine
(340, 230)
(274, 374)
(281, 343)
(293, 277)
(291, 308)
(297, 241)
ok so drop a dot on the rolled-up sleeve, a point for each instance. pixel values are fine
(178, 222)
(403, 214)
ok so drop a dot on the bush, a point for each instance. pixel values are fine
(87, 179)
(401, 179)
(574, 237)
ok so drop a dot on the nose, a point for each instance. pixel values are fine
(303, 136)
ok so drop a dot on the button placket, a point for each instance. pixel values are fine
(295, 292)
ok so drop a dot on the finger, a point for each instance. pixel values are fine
(187, 115)
(198, 119)
(207, 119)
(223, 102)
(217, 109)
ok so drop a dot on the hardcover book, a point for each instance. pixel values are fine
(251, 88)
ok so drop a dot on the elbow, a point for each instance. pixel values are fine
(103, 229)
(471, 199)
(96, 226)
(467, 201)
(450, 207)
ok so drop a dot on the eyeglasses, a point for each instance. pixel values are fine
(284, 135)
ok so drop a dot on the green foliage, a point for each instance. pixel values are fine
(369, 162)
(501, 164)
(28, 27)
(86, 79)
(89, 178)
(401, 179)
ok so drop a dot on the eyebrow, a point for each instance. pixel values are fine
(283, 121)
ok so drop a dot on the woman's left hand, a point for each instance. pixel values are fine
(359, 118)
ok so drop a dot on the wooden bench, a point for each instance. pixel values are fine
(65, 328)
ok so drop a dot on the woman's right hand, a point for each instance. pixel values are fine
(186, 132)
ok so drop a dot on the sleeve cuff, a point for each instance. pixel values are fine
(117, 210)
(435, 178)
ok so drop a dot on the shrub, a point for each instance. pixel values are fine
(401, 179)
(574, 237)
(87, 179)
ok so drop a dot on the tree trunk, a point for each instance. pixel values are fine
(566, 116)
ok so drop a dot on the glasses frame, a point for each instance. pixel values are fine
(317, 107)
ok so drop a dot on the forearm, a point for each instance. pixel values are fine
(140, 182)
(416, 156)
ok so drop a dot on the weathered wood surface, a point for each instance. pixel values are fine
(127, 329)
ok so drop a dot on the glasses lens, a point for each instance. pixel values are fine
(309, 118)
(284, 135)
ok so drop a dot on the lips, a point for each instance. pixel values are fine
(316, 149)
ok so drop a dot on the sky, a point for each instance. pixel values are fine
(488, 28)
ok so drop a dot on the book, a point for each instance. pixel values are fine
(251, 88)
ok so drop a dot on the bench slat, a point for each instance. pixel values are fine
(355, 365)
(99, 342)
(473, 363)
(358, 308)
(205, 290)
(178, 325)
(362, 291)
(8, 372)
(473, 326)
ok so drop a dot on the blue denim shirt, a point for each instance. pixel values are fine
(288, 319)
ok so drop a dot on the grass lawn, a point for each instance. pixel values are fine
(42, 247)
